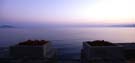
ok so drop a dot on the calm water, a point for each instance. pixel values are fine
(68, 41)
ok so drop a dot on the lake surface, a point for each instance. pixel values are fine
(68, 41)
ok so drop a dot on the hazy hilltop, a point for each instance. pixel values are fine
(7, 26)
(124, 25)
(132, 25)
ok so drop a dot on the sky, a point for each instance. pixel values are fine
(67, 12)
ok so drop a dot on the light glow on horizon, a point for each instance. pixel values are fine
(70, 11)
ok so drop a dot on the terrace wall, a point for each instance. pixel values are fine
(110, 53)
(32, 51)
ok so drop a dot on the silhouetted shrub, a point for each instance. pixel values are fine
(100, 43)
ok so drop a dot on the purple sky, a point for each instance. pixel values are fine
(67, 12)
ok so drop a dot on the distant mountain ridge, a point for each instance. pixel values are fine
(7, 26)
(118, 25)
(124, 25)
